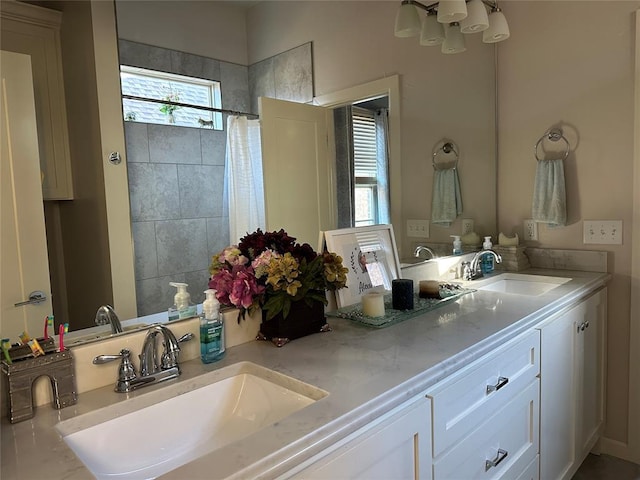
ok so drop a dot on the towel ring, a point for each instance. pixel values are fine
(553, 134)
(447, 147)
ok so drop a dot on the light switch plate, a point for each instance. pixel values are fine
(418, 228)
(602, 232)
(530, 230)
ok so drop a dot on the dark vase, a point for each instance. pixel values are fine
(302, 320)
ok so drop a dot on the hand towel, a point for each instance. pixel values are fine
(549, 197)
(446, 203)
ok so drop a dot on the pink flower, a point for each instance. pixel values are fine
(222, 282)
(261, 263)
(244, 288)
(233, 256)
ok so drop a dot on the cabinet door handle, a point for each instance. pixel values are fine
(501, 455)
(586, 324)
(502, 381)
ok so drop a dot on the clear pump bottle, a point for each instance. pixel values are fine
(211, 329)
(457, 245)
(182, 306)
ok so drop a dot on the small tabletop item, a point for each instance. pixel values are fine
(402, 294)
(448, 292)
(373, 304)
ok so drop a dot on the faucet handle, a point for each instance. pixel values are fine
(126, 372)
(467, 274)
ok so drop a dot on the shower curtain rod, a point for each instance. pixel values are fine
(198, 107)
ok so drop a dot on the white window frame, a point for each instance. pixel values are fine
(213, 85)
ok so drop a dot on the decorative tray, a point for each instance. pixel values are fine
(448, 293)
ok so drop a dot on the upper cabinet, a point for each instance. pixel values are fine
(35, 31)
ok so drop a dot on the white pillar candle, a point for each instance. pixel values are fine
(373, 304)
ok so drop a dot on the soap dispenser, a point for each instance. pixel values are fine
(211, 329)
(182, 306)
(486, 261)
(457, 245)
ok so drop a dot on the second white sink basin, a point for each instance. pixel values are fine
(156, 432)
(522, 284)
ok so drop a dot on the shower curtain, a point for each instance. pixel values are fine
(243, 177)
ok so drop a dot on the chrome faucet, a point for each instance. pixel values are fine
(472, 269)
(151, 371)
(149, 357)
(106, 315)
(421, 248)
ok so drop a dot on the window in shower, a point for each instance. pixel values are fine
(157, 95)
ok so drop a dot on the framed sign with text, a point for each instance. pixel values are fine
(371, 256)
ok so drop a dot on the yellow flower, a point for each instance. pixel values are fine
(282, 272)
(292, 288)
(334, 271)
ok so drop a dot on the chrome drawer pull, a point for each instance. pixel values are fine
(502, 454)
(502, 381)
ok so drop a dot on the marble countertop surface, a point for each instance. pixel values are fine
(366, 371)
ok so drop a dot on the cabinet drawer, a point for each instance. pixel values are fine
(510, 438)
(466, 399)
(532, 472)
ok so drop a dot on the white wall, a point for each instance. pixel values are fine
(208, 28)
(571, 63)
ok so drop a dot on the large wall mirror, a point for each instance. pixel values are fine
(351, 43)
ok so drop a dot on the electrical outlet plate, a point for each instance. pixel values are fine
(467, 225)
(608, 232)
(418, 228)
(530, 230)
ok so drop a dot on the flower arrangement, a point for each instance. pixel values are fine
(271, 271)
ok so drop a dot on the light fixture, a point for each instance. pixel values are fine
(498, 28)
(455, 17)
(477, 19)
(454, 40)
(432, 33)
(451, 11)
(407, 20)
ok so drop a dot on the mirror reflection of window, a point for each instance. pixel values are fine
(362, 163)
(144, 85)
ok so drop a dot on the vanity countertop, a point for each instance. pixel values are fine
(366, 371)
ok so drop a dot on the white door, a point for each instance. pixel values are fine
(24, 264)
(298, 179)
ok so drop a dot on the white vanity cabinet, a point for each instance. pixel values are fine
(396, 446)
(571, 391)
(485, 416)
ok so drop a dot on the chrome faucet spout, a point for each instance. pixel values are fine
(106, 315)
(473, 270)
(421, 248)
(149, 357)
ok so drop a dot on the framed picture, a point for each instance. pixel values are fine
(371, 256)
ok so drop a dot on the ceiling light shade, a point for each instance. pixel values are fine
(477, 19)
(454, 40)
(432, 33)
(407, 21)
(451, 11)
(498, 28)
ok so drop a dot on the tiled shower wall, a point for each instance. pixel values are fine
(176, 182)
(176, 174)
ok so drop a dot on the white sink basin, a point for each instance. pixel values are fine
(522, 284)
(156, 432)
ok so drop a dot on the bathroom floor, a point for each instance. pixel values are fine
(606, 467)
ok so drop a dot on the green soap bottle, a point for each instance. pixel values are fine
(211, 329)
